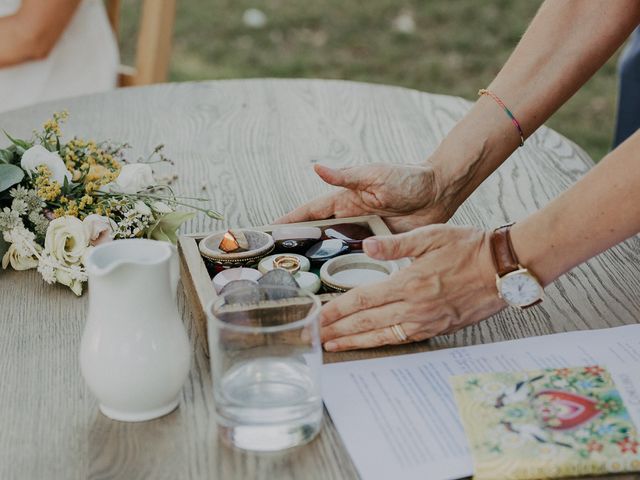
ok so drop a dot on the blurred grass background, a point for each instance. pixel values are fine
(452, 47)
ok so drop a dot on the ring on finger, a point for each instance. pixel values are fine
(399, 332)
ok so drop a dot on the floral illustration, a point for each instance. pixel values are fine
(546, 423)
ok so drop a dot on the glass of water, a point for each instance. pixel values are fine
(265, 362)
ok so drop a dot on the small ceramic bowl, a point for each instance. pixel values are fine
(260, 245)
(231, 274)
(353, 270)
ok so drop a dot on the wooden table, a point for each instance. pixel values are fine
(252, 144)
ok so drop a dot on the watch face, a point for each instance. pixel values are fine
(520, 288)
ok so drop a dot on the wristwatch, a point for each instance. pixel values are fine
(517, 285)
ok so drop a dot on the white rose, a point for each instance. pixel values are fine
(17, 261)
(66, 240)
(38, 155)
(133, 177)
(99, 229)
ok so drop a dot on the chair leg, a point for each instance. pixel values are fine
(154, 41)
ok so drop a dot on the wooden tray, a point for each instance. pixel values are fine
(199, 287)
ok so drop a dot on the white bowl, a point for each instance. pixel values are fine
(353, 270)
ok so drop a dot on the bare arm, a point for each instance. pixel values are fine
(566, 43)
(32, 32)
(598, 212)
(451, 283)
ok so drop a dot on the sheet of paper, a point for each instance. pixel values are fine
(397, 415)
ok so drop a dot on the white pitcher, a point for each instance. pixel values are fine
(134, 354)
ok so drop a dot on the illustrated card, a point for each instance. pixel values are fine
(546, 423)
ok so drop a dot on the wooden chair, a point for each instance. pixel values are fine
(153, 50)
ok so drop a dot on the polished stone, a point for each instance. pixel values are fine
(296, 233)
(298, 246)
(291, 239)
(351, 233)
(309, 282)
(278, 278)
(241, 292)
(326, 249)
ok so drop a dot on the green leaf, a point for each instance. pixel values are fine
(10, 155)
(167, 226)
(5, 156)
(10, 175)
(21, 144)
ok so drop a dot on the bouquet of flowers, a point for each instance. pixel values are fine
(58, 200)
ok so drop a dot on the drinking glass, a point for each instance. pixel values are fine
(265, 362)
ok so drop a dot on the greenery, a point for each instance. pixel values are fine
(457, 47)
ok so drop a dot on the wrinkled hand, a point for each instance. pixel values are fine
(406, 196)
(450, 284)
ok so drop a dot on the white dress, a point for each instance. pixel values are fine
(85, 60)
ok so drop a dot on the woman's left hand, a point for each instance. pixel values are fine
(449, 285)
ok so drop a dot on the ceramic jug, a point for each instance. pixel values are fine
(134, 353)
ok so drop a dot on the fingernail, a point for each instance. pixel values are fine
(371, 246)
(330, 346)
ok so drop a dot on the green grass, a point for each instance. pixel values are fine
(457, 47)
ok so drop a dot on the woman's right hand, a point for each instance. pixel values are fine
(405, 196)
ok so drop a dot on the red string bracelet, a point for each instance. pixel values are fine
(484, 91)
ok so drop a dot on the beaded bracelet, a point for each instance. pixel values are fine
(484, 91)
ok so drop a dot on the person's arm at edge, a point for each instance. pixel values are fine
(32, 32)
(566, 43)
(598, 212)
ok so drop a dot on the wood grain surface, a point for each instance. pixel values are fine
(251, 144)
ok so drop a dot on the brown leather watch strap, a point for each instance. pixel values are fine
(504, 257)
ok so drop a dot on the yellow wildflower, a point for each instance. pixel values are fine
(84, 201)
(72, 209)
(96, 172)
(46, 189)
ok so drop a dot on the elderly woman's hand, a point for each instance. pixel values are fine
(406, 196)
(450, 284)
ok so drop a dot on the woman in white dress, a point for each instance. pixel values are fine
(52, 49)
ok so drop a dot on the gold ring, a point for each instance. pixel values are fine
(288, 263)
(398, 331)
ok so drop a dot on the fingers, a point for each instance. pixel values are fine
(318, 209)
(364, 321)
(408, 244)
(361, 298)
(350, 177)
(392, 247)
(371, 339)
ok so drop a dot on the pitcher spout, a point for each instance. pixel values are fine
(105, 259)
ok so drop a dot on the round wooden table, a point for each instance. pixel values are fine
(251, 144)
